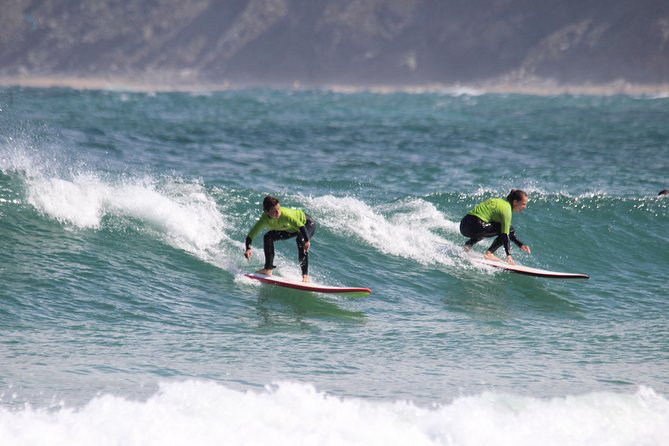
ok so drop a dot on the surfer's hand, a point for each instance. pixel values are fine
(526, 249)
(248, 253)
(307, 246)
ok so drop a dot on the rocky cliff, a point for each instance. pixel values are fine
(354, 42)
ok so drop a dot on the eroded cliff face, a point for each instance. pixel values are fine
(363, 42)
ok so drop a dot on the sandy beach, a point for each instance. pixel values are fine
(534, 87)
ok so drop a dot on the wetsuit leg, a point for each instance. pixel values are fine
(268, 245)
(501, 239)
(303, 257)
(476, 229)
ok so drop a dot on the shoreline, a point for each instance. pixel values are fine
(535, 88)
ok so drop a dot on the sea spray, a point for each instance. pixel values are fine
(286, 413)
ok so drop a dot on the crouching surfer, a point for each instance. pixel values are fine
(492, 218)
(284, 223)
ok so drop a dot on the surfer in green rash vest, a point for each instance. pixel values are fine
(493, 218)
(284, 223)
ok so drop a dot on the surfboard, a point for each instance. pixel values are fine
(310, 287)
(529, 271)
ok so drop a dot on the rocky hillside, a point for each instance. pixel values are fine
(354, 42)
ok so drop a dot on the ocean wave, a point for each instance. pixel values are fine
(182, 211)
(286, 413)
(408, 228)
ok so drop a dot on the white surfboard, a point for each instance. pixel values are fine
(521, 269)
(311, 287)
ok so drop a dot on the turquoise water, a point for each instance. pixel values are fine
(122, 297)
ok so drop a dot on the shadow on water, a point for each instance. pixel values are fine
(552, 296)
(276, 304)
(503, 295)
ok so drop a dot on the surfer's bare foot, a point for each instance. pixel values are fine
(467, 248)
(306, 279)
(267, 272)
(490, 256)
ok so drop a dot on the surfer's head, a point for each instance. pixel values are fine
(518, 200)
(664, 192)
(271, 206)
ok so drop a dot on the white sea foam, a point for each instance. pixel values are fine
(181, 212)
(205, 413)
(409, 229)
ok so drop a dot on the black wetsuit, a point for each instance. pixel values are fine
(476, 229)
(491, 218)
(291, 223)
(306, 232)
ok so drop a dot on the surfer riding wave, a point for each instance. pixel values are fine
(284, 223)
(492, 218)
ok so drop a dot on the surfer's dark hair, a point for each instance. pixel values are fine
(269, 202)
(516, 194)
